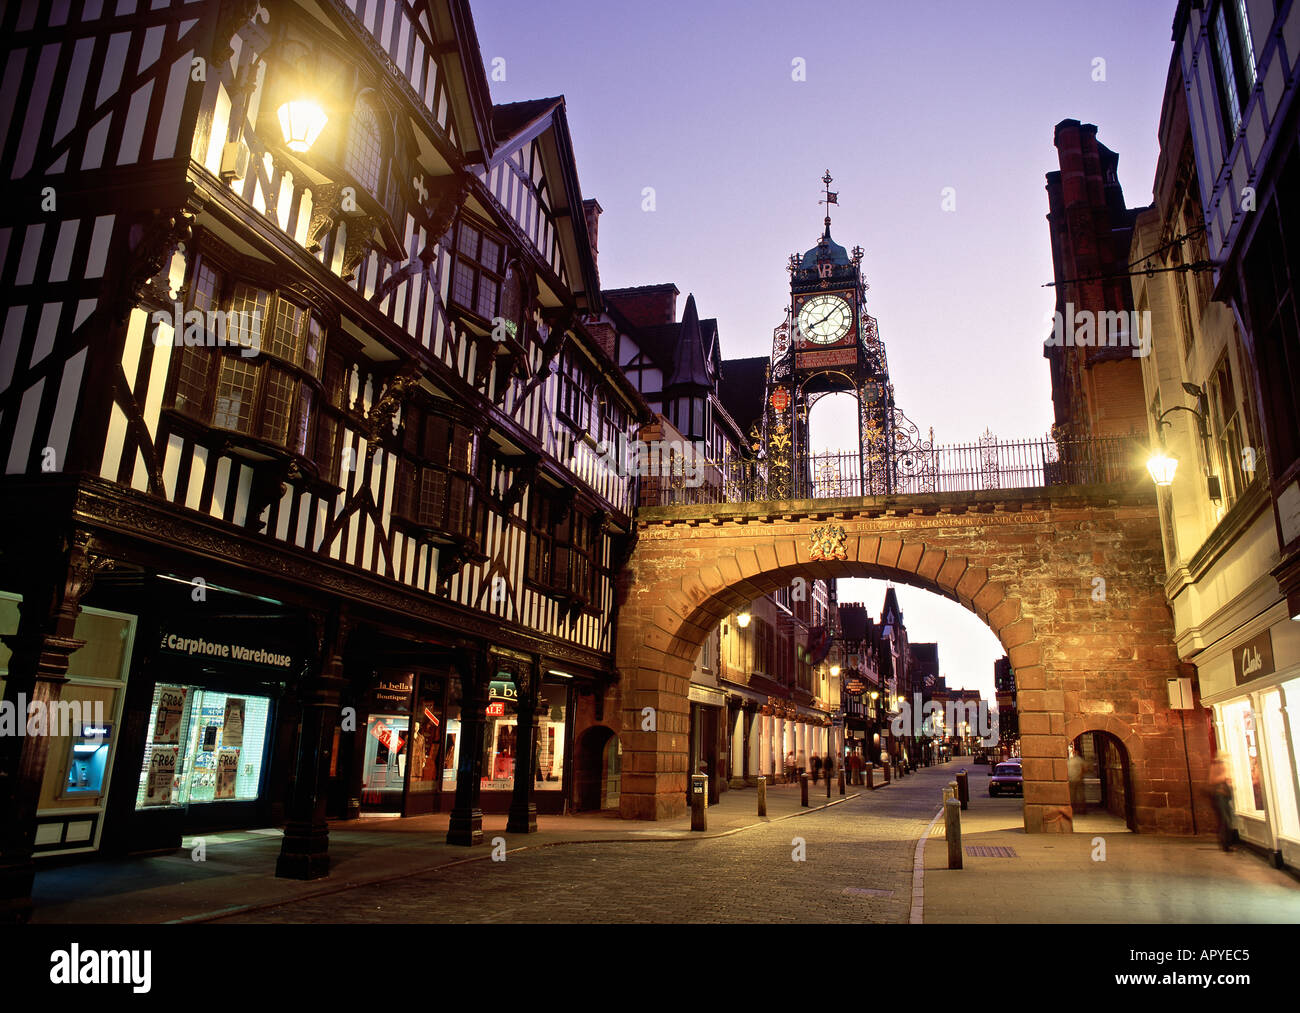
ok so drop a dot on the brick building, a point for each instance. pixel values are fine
(1096, 379)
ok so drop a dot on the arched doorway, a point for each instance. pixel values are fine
(599, 773)
(1106, 781)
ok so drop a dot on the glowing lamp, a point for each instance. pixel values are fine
(835, 670)
(743, 619)
(301, 122)
(1162, 466)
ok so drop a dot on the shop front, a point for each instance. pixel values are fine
(83, 729)
(501, 743)
(1252, 683)
(202, 745)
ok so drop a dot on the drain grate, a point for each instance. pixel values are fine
(989, 851)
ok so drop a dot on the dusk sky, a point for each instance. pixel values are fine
(697, 100)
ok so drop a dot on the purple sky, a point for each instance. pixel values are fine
(696, 99)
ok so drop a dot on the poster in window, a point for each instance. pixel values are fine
(171, 706)
(232, 724)
(227, 768)
(162, 774)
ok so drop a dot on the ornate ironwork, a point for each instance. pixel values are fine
(913, 466)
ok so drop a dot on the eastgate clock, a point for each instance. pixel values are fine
(825, 319)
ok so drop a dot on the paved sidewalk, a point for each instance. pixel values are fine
(1016, 877)
(237, 872)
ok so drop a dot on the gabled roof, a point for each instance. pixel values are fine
(512, 118)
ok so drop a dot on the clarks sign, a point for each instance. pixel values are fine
(1254, 658)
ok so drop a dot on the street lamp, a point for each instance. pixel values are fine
(301, 122)
(742, 620)
(1162, 464)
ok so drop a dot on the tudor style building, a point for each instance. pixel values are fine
(300, 416)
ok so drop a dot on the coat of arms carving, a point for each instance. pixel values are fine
(827, 543)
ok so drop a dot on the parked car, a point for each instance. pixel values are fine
(1007, 779)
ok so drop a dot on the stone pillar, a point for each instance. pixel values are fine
(523, 806)
(304, 851)
(753, 743)
(54, 579)
(739, 757)
(466, 822)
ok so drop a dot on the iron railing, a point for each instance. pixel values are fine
(989, 464)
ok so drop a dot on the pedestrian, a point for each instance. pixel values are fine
(830, 767)
(1074, 773)
(800, 763)
(789, 766)
(1221, 797)
(816, 767)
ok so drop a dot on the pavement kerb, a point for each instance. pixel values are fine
(353, 884)
(917, 916)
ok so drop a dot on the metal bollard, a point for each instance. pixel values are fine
(841, 782)
(699, 802)
(952, 831)
(803, 789)
(963, 789)
(762, 795)
(828, 785)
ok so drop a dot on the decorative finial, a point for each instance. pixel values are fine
(793, 264)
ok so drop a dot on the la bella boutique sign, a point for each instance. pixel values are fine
(1254, 658)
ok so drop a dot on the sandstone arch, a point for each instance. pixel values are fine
(1024, 565)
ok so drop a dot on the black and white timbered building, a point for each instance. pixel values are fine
(302, 496)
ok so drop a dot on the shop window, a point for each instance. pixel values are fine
(1242, 745)
(501, 747)
(451, 739)
(203, 746)
(427, 736)
(1284, 766)
(82, 727)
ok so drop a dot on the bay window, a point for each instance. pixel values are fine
(253, 365)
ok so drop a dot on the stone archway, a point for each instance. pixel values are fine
(1068, 579)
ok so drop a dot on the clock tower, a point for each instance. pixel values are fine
(829, 344)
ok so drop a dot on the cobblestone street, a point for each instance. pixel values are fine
(856, 867)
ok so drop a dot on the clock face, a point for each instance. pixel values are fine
(825, 319)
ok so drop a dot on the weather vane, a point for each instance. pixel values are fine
(830, 198)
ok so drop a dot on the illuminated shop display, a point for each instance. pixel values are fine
(203, 746)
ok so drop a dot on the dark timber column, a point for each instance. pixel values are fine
(38, 668)
(466, 824)
(523, 808)
(304, 853)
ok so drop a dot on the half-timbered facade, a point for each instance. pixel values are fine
(298, 403)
